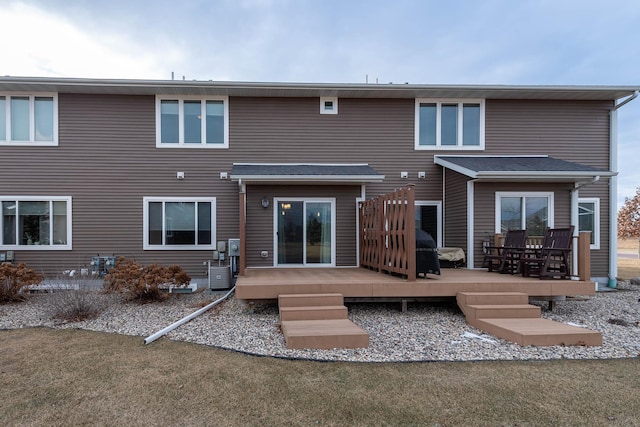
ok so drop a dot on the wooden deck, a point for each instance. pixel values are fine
(268, 283)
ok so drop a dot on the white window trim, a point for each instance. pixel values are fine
(181, 143)
(438, 205)
(145, 224)
(50, 247)
(596, 219)
(32, 142)
(500, 194)
(330, 200)
(439, 102)
(323, 109)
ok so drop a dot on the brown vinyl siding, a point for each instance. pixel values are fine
(379, 132)
(455, 210)
(568, 130)
(107, 161)
(576, 131)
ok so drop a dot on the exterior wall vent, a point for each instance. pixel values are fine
(328, 105)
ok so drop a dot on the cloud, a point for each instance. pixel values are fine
(37, 42)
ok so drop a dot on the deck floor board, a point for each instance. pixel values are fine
(354, 282)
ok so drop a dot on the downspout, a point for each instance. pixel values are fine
(362, 198)
(444, 210)
(171, 327)
(613, 190)
(575, 217)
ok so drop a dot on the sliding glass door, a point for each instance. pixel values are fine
(305, 232)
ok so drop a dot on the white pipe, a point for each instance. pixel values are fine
(171, 327)
(613, 199)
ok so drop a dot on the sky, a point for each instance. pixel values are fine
(524, 42)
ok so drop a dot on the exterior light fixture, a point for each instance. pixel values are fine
(265, 202)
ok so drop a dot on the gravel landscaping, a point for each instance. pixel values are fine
(426, 332)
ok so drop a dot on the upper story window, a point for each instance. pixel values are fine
(449, 124)
(35, 223)
(27, 119)
(192, 122)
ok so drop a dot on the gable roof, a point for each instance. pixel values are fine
(520, 168)
(344, 90)
(304, 173)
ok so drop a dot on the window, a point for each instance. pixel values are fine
(328, 105)
(449, 125)
(192, 122)
(28, 119)
(175, 223)
(589, 219)
(518, 211)
(35, 223)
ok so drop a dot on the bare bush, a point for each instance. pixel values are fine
(144, 283)
(13, 280)
(76, 299)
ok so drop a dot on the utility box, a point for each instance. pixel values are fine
(6, 256)
(219, 277)
(234, 247)
(100, 265)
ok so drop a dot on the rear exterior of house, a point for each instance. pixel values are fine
(163, 170)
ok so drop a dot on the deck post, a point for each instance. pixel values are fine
(410, 234)
(584, 256)
(379, 225)
(243, 232)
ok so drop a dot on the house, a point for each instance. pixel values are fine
(164, 170)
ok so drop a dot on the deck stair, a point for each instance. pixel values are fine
(509, 315)
(318, 321)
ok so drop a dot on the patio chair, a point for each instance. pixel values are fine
(551, 260)
(506, 258)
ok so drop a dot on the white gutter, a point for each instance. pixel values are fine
(356, 179)
(613, 190)
(171, 327)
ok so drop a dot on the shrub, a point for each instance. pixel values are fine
(13, 279)
(76, 300)
(143, 283)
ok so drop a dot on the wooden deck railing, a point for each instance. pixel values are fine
(387, 233)
(580, 244)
